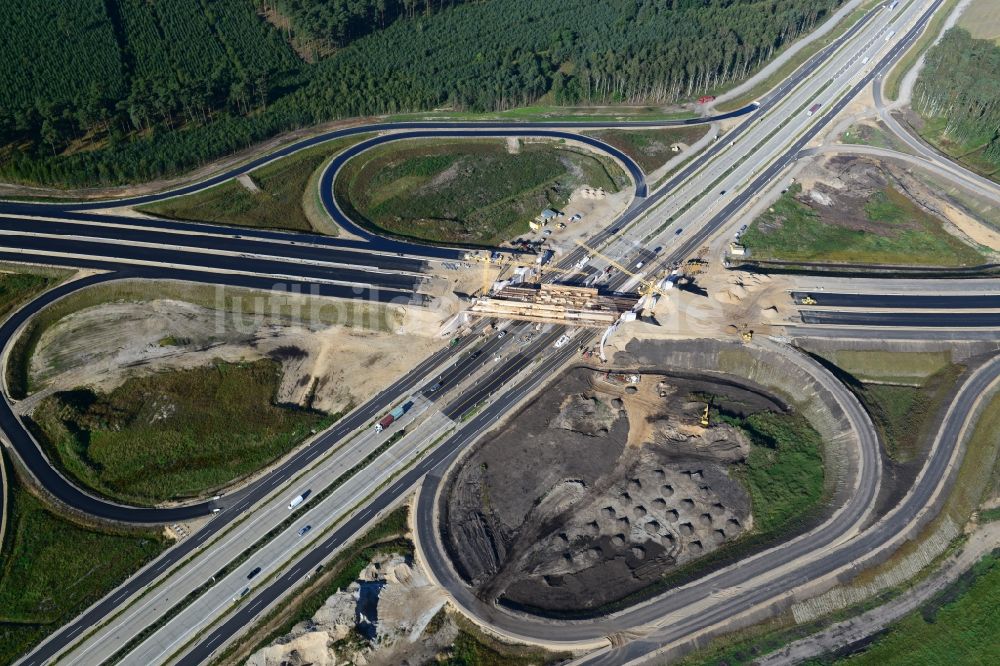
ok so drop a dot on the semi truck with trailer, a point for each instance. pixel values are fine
(392, 416)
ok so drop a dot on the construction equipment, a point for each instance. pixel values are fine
(646, 287)
(704, 417)
(808, 300)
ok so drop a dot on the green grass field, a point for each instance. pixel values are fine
(784, 471)
(982, 20)
(17, 288)
(896, 231)
(650, 148)
(280, 204)
(467, 192)
(967, 153)
(173, 434)
(887, 366)
(959, 626)
(52, 568)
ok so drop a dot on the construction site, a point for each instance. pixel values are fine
(598, 488)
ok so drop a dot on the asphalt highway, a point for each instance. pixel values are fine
(949, 320)
(63, 252)
(62, 235)
(909, 301)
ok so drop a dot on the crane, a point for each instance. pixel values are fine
(646, 287)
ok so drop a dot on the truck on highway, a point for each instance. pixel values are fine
(889, 35)
(395, 414)
(298, 499)
(813, 109)
(893, 4)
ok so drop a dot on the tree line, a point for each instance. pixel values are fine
(960, 82)
(482, 56)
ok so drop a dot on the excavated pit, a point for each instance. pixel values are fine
(598, 488)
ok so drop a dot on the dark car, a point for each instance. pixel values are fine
(678, 232)
(476, 354)
(253, 573)
(304, 530)
(434, 387)
(656, 250)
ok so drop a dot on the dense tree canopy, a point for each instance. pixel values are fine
(960, 81)
(154, 87)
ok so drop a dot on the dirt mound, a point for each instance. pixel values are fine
(559, 514)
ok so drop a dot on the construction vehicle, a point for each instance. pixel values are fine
(808, 300)
(704, 417)
(746, 335)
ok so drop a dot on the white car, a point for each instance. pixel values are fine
(563, 339)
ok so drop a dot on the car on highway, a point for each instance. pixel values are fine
(297, 500)
(678, 232)
(501, 334)
(435, 386)
(305, 530)
(656, 250)
(722, 193)
(640, 264)
(563, 339)
(243, 593)
(253, 572)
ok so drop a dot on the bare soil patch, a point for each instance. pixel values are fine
(598, 489)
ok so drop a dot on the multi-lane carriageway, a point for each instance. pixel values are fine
(93, 226)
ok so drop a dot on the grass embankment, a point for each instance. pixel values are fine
(894, 78)
(52, 568)
(173, 434)
(958, 626)
(650, 148)
(894, 231)
(901, 391)
(967, 153)
(283, 201)
(784, 471)
(466, 192)
(875, 135)
(18, 288)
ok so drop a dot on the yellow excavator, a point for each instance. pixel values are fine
(807, 300)
(704, 417)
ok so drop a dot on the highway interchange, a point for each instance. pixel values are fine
(743, 162)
